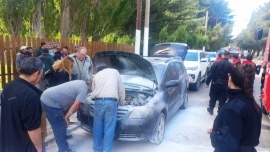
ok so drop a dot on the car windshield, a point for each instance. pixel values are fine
(191, 56)
(211, 55)
(159, 70)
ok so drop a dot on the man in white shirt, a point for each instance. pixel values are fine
(108, 92)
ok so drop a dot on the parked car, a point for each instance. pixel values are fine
(197, 67)
(211, 56)
(244, 55)
(170, 49)
(155, 89)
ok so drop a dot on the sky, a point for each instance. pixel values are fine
(242, 9)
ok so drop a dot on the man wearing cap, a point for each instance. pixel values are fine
(39, 51)
(20, 56)
(218, 75)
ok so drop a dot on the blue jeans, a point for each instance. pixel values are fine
(105, 112)
(59, 126)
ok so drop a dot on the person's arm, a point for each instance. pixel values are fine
(35, 136)
(228, 135)
(76, 105)
(211, 74)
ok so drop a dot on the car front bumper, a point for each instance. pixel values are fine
(126, 129)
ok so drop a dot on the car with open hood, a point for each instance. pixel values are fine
(155, 89)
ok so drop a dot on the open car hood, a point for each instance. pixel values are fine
(127, 64)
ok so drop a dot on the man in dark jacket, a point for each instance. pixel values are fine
(48, 61)
(39, 51)
(57, 54)
(218, 74)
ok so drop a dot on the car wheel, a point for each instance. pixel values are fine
(158, 135)
(263, 109)
(185, 103)
(196, 86)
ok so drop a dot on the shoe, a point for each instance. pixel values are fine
(68, 136)
(210, 110)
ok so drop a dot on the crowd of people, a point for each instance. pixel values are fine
(33, 97)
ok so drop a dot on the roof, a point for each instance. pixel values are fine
(195, 50)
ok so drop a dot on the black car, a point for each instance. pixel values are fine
(155, 89)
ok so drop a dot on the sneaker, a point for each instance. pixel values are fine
(210, 110)
(68, 136)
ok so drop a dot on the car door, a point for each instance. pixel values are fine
(172, 92)
(203, 62)
(182, 83)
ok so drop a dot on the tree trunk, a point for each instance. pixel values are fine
(38, 23)
(83, 26)
(65, 12)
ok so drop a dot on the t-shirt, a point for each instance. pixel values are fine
(20, 112)
(64, 95)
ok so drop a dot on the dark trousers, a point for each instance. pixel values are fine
(217, 92)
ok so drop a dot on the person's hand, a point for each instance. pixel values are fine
(67, 119)
(209, 131)
(206, 86)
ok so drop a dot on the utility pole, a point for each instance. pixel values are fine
(138, 27)
(146, 28)
(206, 22)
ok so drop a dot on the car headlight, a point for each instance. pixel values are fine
(142, 113)
(192, 68)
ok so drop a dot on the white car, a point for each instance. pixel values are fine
(197, 66)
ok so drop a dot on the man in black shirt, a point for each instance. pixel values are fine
(21, 110)
(218, 74)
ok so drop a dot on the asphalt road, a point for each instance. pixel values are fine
(185, 132)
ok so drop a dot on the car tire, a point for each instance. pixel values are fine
(185, 103)
(196, 86)
(158, 135)
(263, 109)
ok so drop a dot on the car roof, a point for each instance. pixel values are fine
(162, 60)
(172, 43)
(195, 50)
(210, 52)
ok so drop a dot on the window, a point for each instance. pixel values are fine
(172, 74)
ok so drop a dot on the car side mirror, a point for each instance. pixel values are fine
(204, 60)
(172, 83)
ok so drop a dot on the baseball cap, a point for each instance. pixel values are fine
(22, 47)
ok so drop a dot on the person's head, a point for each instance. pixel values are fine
(23, 49)
(242, 77)
(81, 53)
(99, 66)
(65, 64)
(235, 56)
(65, 49)
(249, 57)
(54, 49)
(29, 49)
(219, 54)
(45, 50)
(42, 45)
(226, 54)
(31, 69)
